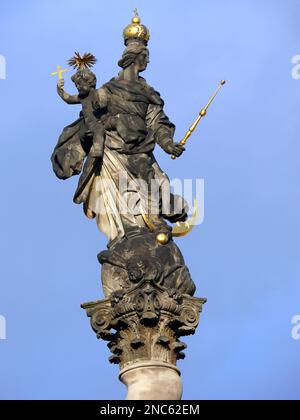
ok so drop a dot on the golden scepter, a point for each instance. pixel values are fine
(202, 113)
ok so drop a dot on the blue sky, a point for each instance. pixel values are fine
(244, 257)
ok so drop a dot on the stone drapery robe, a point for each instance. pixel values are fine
(134, 122)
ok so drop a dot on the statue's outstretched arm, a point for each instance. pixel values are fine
(69, 99)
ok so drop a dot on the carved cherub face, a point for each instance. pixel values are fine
(84, 81)
(82, 87)
(140, 268)
(136, 270)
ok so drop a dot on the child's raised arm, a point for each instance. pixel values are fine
(69, 99)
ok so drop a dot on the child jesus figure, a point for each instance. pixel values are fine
(91, 99)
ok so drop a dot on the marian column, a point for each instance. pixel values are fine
(149, 294)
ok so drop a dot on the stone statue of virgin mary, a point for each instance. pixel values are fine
(125, 190)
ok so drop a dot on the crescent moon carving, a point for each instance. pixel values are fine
(184, 228)
(181, 228)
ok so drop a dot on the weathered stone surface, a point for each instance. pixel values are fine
(130, 260)
(152, 381)
(145, 323)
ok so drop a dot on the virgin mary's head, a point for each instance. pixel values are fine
(137, 54)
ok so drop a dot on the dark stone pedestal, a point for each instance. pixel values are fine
(144, 325)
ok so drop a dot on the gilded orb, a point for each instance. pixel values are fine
(162, 238)
(136, 20)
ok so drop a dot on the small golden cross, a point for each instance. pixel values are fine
(59, 72)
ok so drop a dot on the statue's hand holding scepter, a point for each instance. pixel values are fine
(175, 149)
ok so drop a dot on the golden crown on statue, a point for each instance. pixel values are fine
(136, 31)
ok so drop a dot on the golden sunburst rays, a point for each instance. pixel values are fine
(79, 62)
